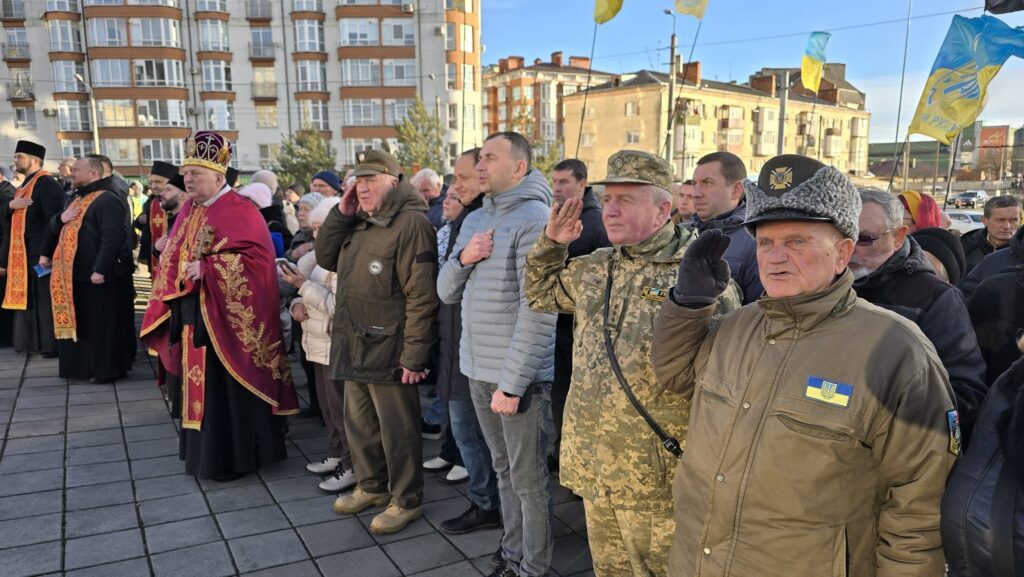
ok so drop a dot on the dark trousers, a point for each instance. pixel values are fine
(382, 422)
(332, 406)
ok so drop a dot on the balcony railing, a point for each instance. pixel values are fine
(65, 46)
(15, 51)
(261, 50)
(20, 91)
(259, 9)
(12, 10)
(264, 90)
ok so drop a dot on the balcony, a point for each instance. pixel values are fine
(212, 6)
(261, 51)
(20, 91)
(307, 6)
(727, 123)
(16, 52)
(65, 46)
(264, 90)
(12, 10)
(259, 10)
(62, 6)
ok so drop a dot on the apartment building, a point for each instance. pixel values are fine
(528, 99)
(255, 70)
(632, 112)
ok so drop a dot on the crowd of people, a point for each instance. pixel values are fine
(777, 375)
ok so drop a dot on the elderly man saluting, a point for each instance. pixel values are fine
(823, 426)
(610, 456)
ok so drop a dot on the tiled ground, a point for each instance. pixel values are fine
(91, 485)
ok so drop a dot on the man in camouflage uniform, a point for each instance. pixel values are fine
(609, 456)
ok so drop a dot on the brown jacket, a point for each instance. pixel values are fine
(386, 297)
(819, 439)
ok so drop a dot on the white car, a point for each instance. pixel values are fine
(965, 221)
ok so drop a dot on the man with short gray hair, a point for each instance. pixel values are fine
(1002, 218)
(430, 185)
(892, 272)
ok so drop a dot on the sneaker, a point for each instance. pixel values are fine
(339, 481)
(436, 464)
(430, 432)
(506, 572)
(358, 501)
(473, 519)
(457, 474)
(394, 519)
(325, 466)
(497, 560)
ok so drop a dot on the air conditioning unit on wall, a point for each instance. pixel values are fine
(409, 8)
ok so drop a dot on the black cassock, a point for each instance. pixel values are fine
(6, 316)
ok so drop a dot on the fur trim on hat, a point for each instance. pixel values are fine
(259, 193)
(829, 193)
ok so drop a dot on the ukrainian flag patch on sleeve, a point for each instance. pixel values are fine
(831, 392)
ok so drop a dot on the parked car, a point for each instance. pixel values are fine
(968, 199)
(964, 221)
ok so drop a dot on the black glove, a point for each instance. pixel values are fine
(703, 275)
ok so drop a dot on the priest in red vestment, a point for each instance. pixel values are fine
(213, 318)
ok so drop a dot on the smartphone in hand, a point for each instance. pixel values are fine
(41, 270)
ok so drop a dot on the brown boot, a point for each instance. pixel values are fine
(394, 519)
(358, 501)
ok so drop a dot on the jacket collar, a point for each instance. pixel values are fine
(1017, 243)
(908, 259)
(590, 199)
(101, 184)
(533, 186)
(808, 311)
(667, 244)
(727, 222)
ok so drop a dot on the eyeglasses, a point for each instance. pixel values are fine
(865, 240)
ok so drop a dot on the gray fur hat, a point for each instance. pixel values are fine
(795, 187)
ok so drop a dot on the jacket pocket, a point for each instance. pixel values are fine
(374, 347)
(811, 429)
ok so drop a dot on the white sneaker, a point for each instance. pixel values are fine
(457, 474)
(339, 481)
(327, 465)
(436, 464)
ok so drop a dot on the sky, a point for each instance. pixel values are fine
(732, 43)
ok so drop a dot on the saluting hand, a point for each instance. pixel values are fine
(479, 248)
(70, 214)
(564, 224)
(349, 202)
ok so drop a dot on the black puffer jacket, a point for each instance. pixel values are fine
(996, 262)
(982, 510)
(906, 284)
(997, 311)
(742, 252)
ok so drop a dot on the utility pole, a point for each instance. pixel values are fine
(783, 97)
(95, 120)
(669, 148)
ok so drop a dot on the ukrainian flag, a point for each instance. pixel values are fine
(814, 61)
(971, 55)
(605, 10)
(830, 392)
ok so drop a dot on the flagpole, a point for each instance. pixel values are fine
(583, 111)
(903, 77)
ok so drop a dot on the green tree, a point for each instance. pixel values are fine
(420, 138)
(301, 156)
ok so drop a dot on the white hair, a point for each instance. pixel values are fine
(427, 173)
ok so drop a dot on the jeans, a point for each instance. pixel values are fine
(518, 445)
(483, 483)
(437, 413)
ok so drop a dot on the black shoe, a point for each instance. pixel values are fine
(228, 477)
(309, 413)
(49, 355)
(474, 518)
(497, 560)
(504, 572)
(430, 432)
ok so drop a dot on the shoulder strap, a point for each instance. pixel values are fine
(1005, 497)
(671, 445)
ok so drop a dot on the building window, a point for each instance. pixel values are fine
(171, 3)
(262, 38)
(110, 73)
(469, 116)
(399, 72)
(75, 148)
(309, 36)
(632, 108)
(268, 155)
(104, 2)
(159, 73)
(360, 72)
(163, 149)
(632, 137)
(517, 93)
(65, 36)
(451, 75)
(449, 36)
(502, 94)
(308, 6)
(161, 113)
(466, 43)
(357, 2)
(220, 114)
(65, 76)
(502, 113)
(216, 75)
(312, 76)
(115, 113)
(107, 32)
(313, 114)
(73, 115)
(266, 116)
(121, 150)
(359, 32)
(361, 112)
(468, 77)
(397, 110)
(547, 129)
(25, 117)
(453, 116)
(212, 6)
(353, 146)
(528, 92)
(398, 32)
(587, 139)
(62, 5)
(213, 36)
(264, 81)
(163, 32)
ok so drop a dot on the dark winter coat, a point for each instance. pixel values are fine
(979, 515)
(907, 285)
(742, 252)
(435, 209)
(103, 237)
(387, 296)
(274, 217)
(995, 262)
(452, 385)
(6, 196)
(976, 247)
(997, 311)
(144, 232)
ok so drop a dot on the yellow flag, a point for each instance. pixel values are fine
(605, 10)
(694, 8)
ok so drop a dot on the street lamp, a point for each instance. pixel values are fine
(671, 94)
(437, 114)
(95, 119)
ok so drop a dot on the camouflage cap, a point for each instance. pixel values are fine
(636, 167)
(372, 162)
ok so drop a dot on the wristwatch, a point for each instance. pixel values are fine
(510, 395)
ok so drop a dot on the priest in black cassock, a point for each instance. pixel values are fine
(6, 316)
(27, 217)
(91, 286)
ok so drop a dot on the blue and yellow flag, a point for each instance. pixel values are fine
(971, 55)
(605, 10)
(814, 61)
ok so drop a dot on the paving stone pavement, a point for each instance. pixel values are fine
(91, 485)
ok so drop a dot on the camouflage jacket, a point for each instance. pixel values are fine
(608, 450)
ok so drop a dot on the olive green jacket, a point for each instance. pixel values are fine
(821, 435)
(608, 451)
